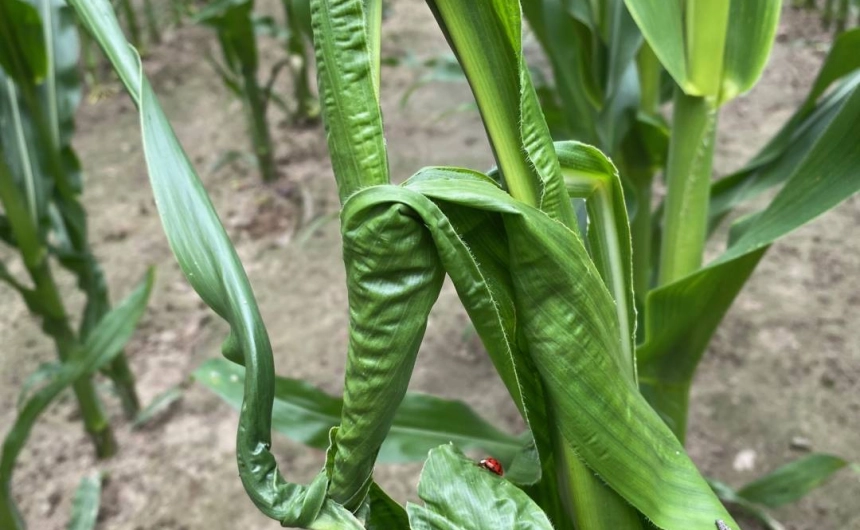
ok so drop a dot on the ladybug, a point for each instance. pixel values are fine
(493, 465)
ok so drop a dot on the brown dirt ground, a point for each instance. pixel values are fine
(785, 364)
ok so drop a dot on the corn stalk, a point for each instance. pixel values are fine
(235, 28)
(43, 176)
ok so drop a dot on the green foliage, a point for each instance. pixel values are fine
(784, 485)
(101, 347)
(553, 307)
(232, 21)
(85, 506)
(456, 494)
(41, 185)
(306, 414)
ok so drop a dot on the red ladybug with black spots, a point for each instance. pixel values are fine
(492, 465)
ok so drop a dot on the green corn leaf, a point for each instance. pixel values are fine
(458, 494)
(392, 270)
(232, 20)
(22, 47)
(487, 39)
(349, 95)
(21, 224)
(656, 466)
(793, 480)
(682, 316)
(209, 262)
(624, 42)
(27, 162)
(712, 48)
(45, 372)
(384, 512)
(100, 348)
(774, 163)
(661, 23)
(85, 505)
(749, 39)
(490, 315)
(158, 405)
(306, 414)
(590, 175)
(568, 44)
(730, 496)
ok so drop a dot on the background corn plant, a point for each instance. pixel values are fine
(237, 28)
(555, 308)
(42, 219)
(232, 20)
(839, 14)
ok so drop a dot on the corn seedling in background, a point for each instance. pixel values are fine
(42, 178)
(299, 34)
(232, 21)
(836, 14)
(295, 37)
(43, 221)
(553, 304)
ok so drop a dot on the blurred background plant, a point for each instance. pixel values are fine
(837, 15)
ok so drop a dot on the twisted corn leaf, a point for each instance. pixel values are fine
(349, 94)
(459, 495)
(209, 261)
(620, 437)
(393, 279)
(682, 316)
(306, 414)
(104, 343)
(85, 505)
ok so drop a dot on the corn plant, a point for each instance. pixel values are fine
(832, 12)
(43, 221)
(232, 20)
(299, 32)
(553, 302)
(42, 182)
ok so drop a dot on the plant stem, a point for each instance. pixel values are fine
(306, 104)
(131, 22)
(151, 22)
(648, 68)
(841, 16)
(47, 302)
(9, 516)
(641, 232)
(56, 324)
(588, 501)
(827, 15)
(260, 137)
(688, 179)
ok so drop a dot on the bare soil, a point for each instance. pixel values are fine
(784, 365)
